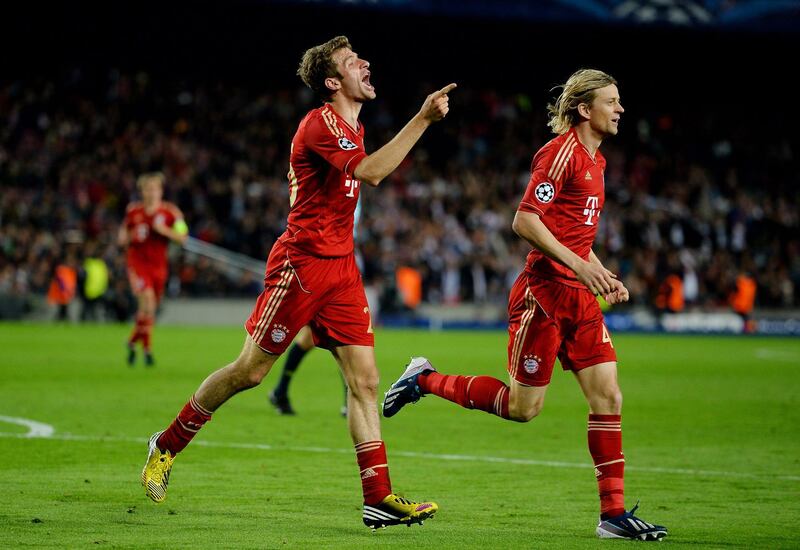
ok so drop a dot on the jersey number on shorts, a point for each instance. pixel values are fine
(369, 330)
(607, 337)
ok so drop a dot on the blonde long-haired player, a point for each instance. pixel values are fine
(552, 307)
(149, 226)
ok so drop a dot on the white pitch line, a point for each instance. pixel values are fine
(411, 454)
(776, 355)
(35, 429)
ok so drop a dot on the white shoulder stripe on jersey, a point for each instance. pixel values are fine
(330, 121)
(565, 162)
(560, 155)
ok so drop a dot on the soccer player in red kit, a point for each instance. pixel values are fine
(552, 307)
(312, 278)
(148, 228)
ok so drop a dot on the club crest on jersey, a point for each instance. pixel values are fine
(346, 144)
(531, 364)
(279, 333)
(545, 192)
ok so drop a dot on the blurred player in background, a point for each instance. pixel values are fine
(148, 228)
(312, 278)
(552, 307)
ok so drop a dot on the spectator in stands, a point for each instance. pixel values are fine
(743, 298)
(93, 283)
(63, 286)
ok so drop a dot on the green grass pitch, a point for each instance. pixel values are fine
(710, 433)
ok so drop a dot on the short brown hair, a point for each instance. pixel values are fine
(579, 88)
(317, 65)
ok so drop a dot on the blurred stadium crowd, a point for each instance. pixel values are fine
(694, 206)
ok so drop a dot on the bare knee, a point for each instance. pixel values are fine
(244, 379)
(607, 401)
(364, 386)
(524, 411)
(615, 402)
(248, 372)
(253, 378)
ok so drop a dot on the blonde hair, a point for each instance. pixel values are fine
(317, 65)
(579, 88)
(141, 180)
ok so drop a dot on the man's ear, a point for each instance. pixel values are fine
(584, 110)
(333, 84)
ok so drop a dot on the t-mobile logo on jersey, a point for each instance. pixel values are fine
(590, 210)
(351, 185)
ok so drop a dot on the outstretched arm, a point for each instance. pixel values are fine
(530, 227)
(382, 162)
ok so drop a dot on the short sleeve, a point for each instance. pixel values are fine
(548, 173)
(324, 136)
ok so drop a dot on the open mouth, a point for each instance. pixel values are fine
(365, 81)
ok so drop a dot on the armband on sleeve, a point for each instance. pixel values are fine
(180, 227)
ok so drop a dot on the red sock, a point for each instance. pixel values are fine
(472, 392)
(375, 482)
(136, 334)
(184, 427)
(147, 329)
(605, 446)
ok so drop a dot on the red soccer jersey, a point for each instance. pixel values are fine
(567, 190)
(147, 250)
(322, 190)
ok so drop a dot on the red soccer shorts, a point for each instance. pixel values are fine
(142, 278)
(548, 320)
(325, 293)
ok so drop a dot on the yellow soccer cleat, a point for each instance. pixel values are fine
(396, 510)
(155, 475)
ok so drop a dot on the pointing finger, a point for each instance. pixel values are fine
(447, 88)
